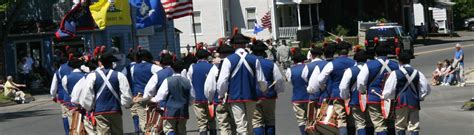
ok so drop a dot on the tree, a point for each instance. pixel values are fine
(10, 10)
(463, 9)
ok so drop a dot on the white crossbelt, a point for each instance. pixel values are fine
(106, 83)
(244, 62)
(409, 78)
(384, 67)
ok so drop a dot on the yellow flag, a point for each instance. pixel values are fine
(118, 13)
(99, 12)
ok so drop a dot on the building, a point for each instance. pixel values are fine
(33, 34)
(216, 19)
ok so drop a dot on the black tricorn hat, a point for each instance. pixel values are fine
(239, 39)
(225, 49)
(259, 46)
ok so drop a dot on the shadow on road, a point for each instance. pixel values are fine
(25, 114)
(433, 42)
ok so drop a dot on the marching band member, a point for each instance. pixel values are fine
(315, 67)
(300, 95)
(58, 92)
(197, 75)
(348, 91)
(409, 87)
(333, 71)
(166, 61)
(72, 83)
(372, 76)
(140, 74)
(328, 50)
(240, 76)
(105, 92)
(223, 111)
(177, 95)
(264, 116)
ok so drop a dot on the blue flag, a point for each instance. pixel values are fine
(77, 19)
(149, 13)
(257, 28)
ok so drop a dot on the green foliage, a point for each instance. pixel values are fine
(4, 4)
(463, 9)
(341, 31)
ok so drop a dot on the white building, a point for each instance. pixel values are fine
(214, 19)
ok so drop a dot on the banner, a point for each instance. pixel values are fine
(99, 12)
(118, 13)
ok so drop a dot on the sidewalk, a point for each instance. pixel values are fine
(469, 76)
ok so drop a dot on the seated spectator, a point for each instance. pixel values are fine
(450, 73)
(11, 89)
(438, 74)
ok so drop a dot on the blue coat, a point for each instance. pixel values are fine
(63, 70)
(340, 64)
(106, 102)
(267, 67)
(178, 98)
(243, 86)
(141, 75)
(300, 95)
(311, 66)
(354, 93)
(72, 80)
(408, 97)
(198, 78)
(375, 81)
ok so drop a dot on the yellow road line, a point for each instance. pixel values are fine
(437, 50)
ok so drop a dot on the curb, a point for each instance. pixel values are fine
(7, 104)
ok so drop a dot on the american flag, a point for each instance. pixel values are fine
(177, 8)
(267, 20)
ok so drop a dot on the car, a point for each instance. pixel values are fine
(392, 35)
(469, 24)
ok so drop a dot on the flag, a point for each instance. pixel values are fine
(99, 12)
(177, 8)
(77, 19)
(118, 13)
(149, 13)
(257, 28)
(267, 20)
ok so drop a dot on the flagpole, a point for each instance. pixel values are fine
(194, 28)
(165, 28)
(134, 29)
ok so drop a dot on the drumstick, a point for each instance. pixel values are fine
(378, 94)
(271, 85)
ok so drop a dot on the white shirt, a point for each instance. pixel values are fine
(344, 86)
(224, 76)
(288, 73)
(77, 89)
(88, 95)
(210, 85)
(279, 86)
(125, 71)
(305, 72)
(150, 88)
(390, 87)
(163, 91)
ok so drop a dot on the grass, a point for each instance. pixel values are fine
(4, 99)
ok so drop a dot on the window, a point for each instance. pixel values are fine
(197, 22)
(251, 18)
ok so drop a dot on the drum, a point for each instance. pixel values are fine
(311, 117)
(386, 107)
(326, 120)
(154, 123)
(347, 107)
(363, 101)
(77, 125)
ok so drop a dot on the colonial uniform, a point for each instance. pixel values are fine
(58, 92)
(348, 91)
(300, 96)
(372, 77)
(105, 92)
(334, 71)
(69, 82)
(223, 111)
(409, 87)
(197, 75)
(312, 70)
(239, 76)
(175, 96)
(140, 74)
(264, 116)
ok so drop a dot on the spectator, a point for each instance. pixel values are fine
(283, 55)
(451, 70)
(11, 89)
(438, 74)
(459, 65)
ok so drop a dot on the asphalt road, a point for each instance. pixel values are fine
(440, 114)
